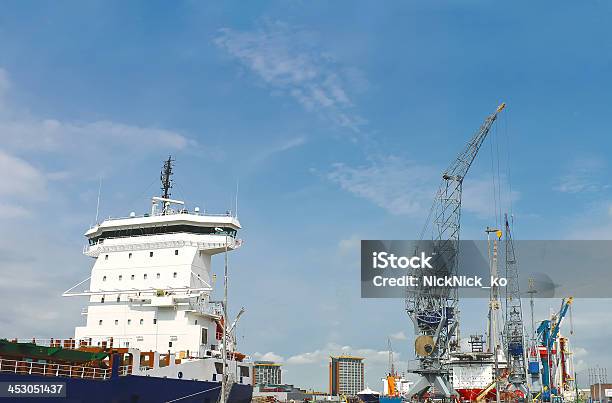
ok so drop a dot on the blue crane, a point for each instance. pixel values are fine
(547, 334)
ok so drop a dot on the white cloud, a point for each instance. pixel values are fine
(280, 147)
(24, 185)
(399, 186)
(322, 355)
(29, 133)
(317, 356)
(404, 187)
(584, 175)
(269, 356)
(22, 180)
(399, 336)
(285, 60)
(79, 146)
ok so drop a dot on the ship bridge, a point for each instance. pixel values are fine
(164, 228)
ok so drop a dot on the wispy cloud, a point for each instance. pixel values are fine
(584, 175)
(280, 147)
(25, 186)
(78, 143)
(405, 187)
(285, 60)
(396, 185)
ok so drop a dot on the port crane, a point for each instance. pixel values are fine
(513, 332)
(547, 334)
(434, 311)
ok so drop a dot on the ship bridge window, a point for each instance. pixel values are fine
(165, 229)
(150, 254)
(176, 252)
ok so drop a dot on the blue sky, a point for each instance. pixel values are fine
(336, 120)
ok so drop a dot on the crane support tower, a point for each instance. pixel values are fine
(434, 312)
(513, 332)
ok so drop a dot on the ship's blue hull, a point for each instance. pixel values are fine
(132, 389)
(369, 397)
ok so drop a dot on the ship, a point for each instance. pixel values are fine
(368, 396)
(152, 333)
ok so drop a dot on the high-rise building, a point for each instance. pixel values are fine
(345, 375)
(266, 373)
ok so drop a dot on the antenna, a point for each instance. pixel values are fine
(98, 203)
(166, 181)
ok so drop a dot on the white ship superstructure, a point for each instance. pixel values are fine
(151, 281)
(150, 291)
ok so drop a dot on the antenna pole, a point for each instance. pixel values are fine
(98, 203)
(166, 181)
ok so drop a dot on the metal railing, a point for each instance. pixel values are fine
(48, 369)
(74, 344)
(173, 212)
(52, 342)
(214, 308)
(125, 370)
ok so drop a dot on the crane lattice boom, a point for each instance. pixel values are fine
(433, 312)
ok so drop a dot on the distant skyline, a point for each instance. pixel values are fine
(335, 119)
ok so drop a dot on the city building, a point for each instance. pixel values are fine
(266, 373)
(345, 375)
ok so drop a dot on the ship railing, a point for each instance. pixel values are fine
(52, 342)
(173, 212)
(49, 369)
(74, 344)
(213, 308)
(125, 370)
